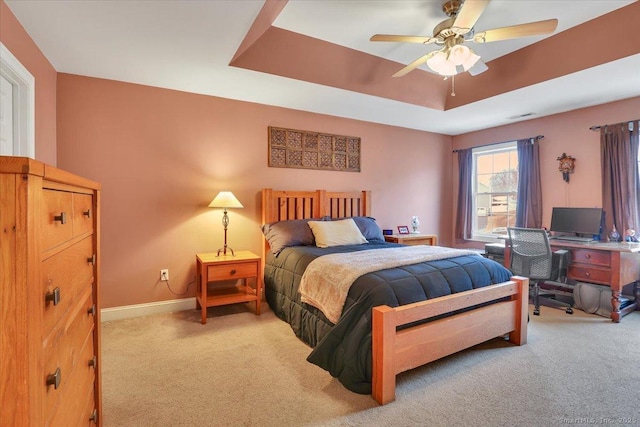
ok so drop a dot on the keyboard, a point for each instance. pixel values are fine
(573, 238)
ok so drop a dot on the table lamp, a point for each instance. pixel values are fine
(225, 199)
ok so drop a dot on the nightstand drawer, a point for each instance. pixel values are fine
(234, 271)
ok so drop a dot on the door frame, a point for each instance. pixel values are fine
(24, 97)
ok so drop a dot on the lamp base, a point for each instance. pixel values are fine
(224, 251)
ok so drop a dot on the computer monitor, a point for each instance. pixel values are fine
(579, 221)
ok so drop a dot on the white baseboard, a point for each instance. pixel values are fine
(139, 310)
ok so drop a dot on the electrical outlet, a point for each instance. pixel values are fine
(164, 275)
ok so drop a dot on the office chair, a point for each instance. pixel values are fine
(531, 257)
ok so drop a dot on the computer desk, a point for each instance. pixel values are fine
(613, 264)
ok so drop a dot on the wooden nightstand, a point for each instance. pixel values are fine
(213, 268)
(413, 239)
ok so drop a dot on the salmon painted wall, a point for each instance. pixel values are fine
(563, 133)
(20, 44)
(162, 155)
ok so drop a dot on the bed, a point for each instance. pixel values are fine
(383, 330)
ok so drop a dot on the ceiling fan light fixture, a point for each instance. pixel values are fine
(459, 54)
(470, 61)
(441, 64)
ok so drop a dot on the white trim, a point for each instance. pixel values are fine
(24, 86)
(139, 310)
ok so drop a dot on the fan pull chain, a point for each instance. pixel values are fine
(453, 85)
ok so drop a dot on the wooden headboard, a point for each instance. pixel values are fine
(281, 205)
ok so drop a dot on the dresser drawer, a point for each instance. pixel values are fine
(590, 256)
(57, 218)
(72, 408)
(89, 412)
(590, 274)
(68, 349)
(67, 274)
(232, 271)
(82, 213)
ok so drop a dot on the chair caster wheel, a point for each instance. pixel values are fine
(536, 312)
(569, 311)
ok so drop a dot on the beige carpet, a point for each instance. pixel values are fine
(245, 370)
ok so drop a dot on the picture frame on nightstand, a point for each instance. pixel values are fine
(403, 229)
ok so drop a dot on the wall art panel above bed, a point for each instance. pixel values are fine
(301, 149)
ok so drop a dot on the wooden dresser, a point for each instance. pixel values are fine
(49, 300)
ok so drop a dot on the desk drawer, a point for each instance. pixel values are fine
(590, 274)
(231, 272)
(590, 256)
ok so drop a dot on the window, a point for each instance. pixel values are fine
(495, 189)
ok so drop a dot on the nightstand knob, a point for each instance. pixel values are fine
(233, 271)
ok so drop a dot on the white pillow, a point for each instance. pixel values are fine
(336, 233)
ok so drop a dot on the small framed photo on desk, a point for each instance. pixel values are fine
(403, 229)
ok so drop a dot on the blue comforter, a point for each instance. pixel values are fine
(344, 349)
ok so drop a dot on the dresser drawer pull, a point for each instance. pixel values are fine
(232, 272)
(54, 379)
(53, 296)
(93, 362)
(94, 416)
(587, 256)
(62, 218)
(92, 260)
(587, 274)
(87, 213)
(92, 310)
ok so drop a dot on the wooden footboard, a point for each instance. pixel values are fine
(396, 351)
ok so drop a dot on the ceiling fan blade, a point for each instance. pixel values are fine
(478, 68)
(468, 16)
(404, 39)
(515, 31)
(415, 64)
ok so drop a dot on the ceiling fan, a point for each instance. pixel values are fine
(454, 57)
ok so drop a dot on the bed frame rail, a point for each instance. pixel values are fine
(395, 351)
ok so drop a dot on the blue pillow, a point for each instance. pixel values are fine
(369, 229)
(294, 232)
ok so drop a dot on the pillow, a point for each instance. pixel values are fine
(336, 233)
(282, 234)
(369, 229)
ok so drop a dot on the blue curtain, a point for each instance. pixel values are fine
(529, 207)
(620, 179)
(464, 216)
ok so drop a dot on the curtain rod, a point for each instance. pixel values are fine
(496, 143)
(598, 127)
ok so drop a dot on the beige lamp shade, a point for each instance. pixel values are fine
(225, 199)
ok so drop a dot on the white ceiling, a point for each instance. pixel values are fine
(187, 45)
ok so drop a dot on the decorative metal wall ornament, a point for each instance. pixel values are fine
(567, 164)
(292, 148)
